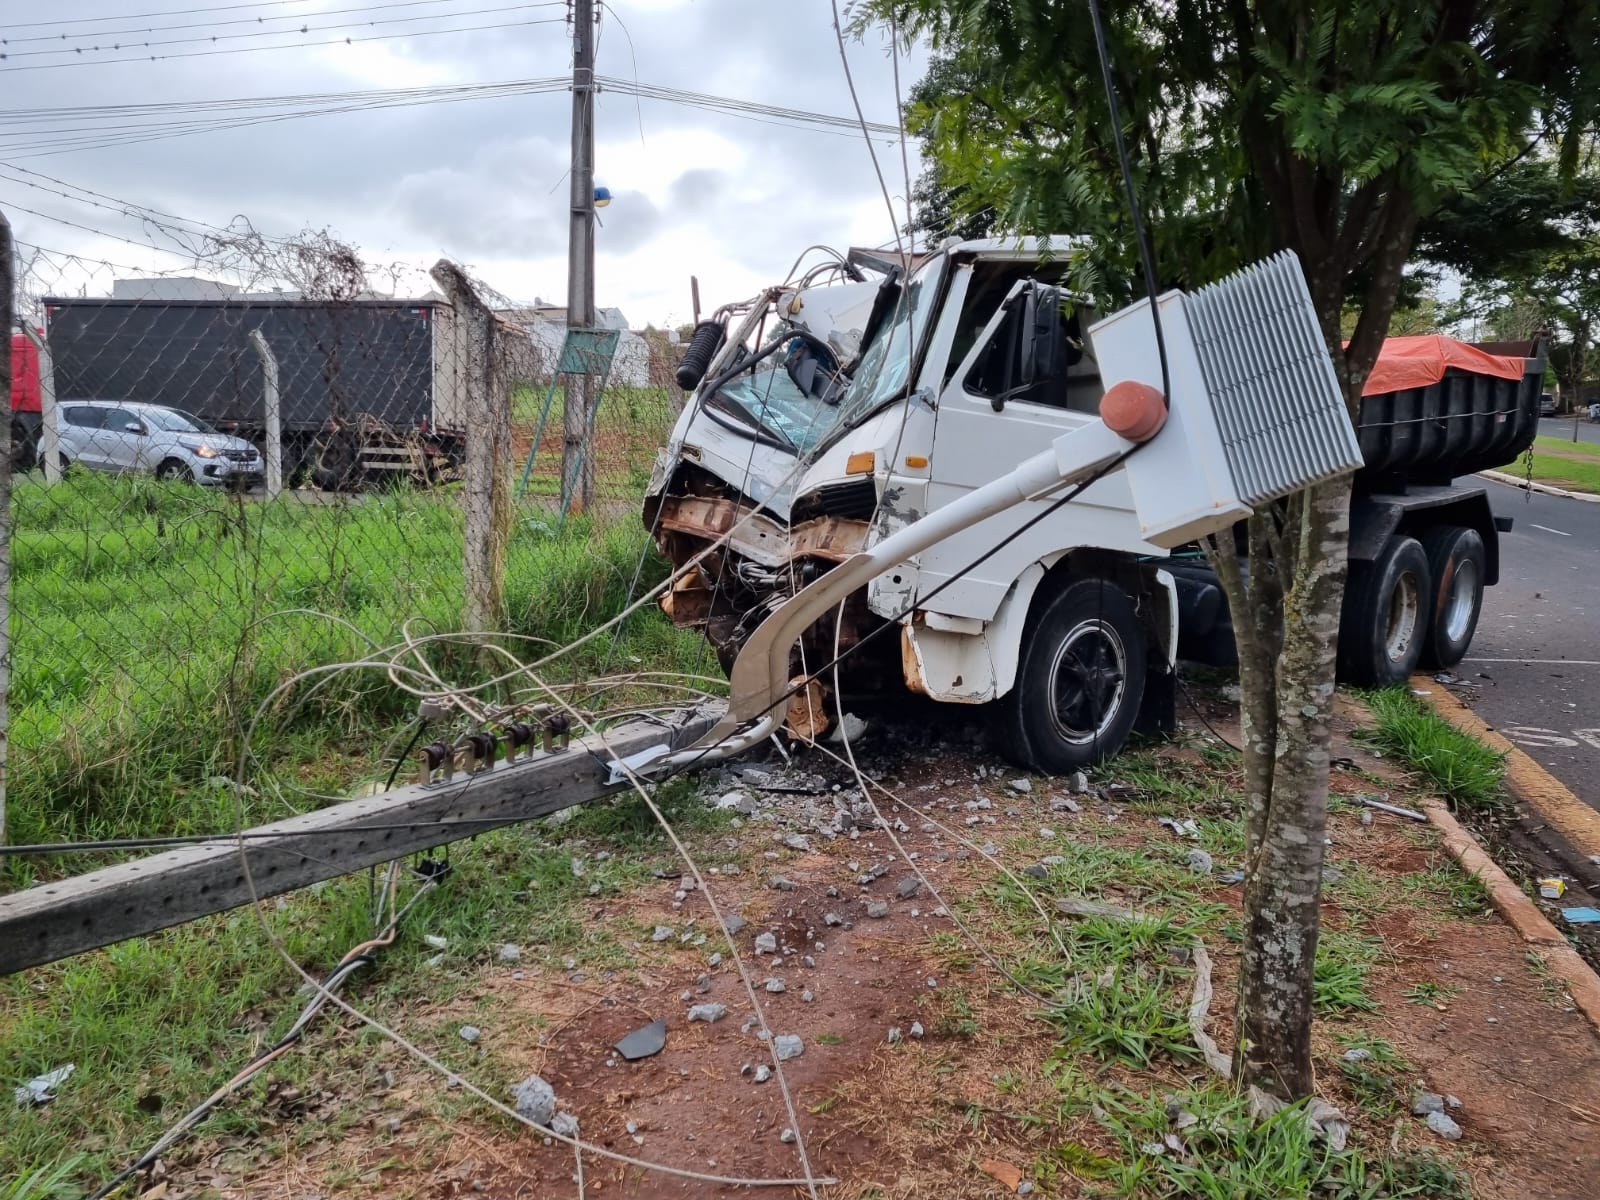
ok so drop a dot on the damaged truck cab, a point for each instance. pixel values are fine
(831, 416)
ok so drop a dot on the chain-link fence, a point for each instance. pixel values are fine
(273, 462)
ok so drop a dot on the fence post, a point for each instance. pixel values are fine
(274, 422)
(49, 430)
(486, 413)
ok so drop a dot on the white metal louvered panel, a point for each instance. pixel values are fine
(1281, 417)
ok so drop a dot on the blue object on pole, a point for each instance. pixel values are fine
(602, 197)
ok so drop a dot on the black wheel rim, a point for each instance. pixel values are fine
(1088, 678)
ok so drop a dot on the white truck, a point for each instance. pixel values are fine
(830, 414)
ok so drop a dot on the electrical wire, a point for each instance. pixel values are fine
(344, 41)
(63, 35)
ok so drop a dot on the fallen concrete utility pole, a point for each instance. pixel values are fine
(55, 920)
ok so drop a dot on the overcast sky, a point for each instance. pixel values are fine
(730, 200)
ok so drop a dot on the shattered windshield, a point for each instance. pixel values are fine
(770, 398)
(885, 370)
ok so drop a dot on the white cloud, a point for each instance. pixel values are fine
(730, 200)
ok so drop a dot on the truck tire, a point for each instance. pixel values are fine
(1384, 620)
(1457, 564)
(1080, 680)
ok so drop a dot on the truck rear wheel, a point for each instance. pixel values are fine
(1079, 682)
(1384, 620)
(1457, 564)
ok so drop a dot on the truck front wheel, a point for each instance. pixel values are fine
(1079, 682)
(1384, 620)
(1457, 563)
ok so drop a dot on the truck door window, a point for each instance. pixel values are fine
(1066, 373)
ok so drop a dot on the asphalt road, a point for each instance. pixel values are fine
(1536, 655)
(1561, 427)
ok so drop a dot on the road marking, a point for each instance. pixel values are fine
(1540, 662)
(1547, 529)
(1548, 739)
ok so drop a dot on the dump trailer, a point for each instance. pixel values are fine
(368, 389)
(832, 413)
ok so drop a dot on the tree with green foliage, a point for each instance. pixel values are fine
(1332, 130)
(1526, 244)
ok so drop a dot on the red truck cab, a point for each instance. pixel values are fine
(25, 418)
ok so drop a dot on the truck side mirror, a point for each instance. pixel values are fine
(1032, 338)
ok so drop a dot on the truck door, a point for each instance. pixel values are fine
(993, 412)
(122, 440)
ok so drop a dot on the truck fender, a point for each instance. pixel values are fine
(945, 659)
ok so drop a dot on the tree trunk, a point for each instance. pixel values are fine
(1284, 838)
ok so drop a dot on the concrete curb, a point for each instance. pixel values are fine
(1543, 939)
(1543, 488)
(1528, 781)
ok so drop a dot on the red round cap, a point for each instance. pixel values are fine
(1134, 410)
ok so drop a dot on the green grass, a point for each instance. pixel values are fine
(1428, 993)
(1459, 766)
(1339, 979)
(1565, 472)
(1568, 446)
(149, 621)
(1227, 1155)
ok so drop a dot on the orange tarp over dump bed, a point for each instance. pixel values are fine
(1414, 362)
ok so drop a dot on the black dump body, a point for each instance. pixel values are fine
(335, 360)
(1463, 424)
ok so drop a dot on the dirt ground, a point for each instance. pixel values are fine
(967, 1099)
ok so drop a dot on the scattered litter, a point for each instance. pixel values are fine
(1324, 1119)
(535, 1100)
(1421, 692)
(436, 942)
(708, 1012)
(1007, 1175)
(1357, 1054)
(1552, 888)
(850, 727)
(1198, 860)
(1382, 806)
(41, 1089)
(1184, 828)
(1581, 916)
(788, 1045)
(469, 1033)
(1445, 1126)
(650, 1039)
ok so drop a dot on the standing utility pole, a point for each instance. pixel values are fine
(577, 458)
